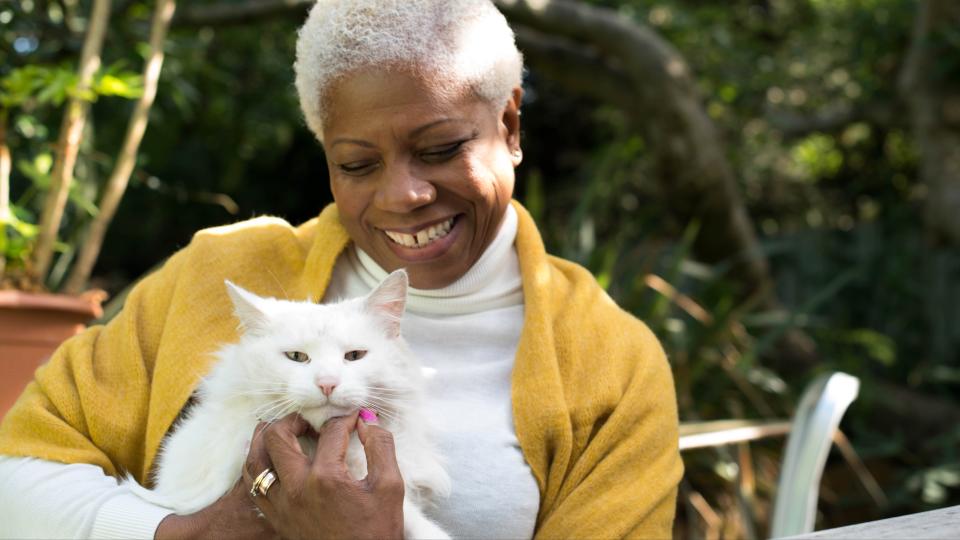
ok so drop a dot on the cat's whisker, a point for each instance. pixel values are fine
(391, 401)
(397, 401)
(389, 390)
(399, 395)
(272, 410)
(381, 411)
(279, 284)
(255, 387)
(257, 393)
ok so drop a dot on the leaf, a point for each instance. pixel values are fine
(81, 201)
(24, 229)
(43, 162)
(111, 85)
(38, 170)
(56, 88)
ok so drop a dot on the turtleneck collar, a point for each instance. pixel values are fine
(492, 282)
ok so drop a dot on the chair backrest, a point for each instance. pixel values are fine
(814, 424)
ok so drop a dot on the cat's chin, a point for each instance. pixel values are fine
(316, 416)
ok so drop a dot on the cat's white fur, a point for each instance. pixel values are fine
(254, 380)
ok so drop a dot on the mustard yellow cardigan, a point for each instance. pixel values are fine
(593, 398)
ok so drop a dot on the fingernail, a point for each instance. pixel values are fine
(368, 416)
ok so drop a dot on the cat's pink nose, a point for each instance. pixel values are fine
(327, 385)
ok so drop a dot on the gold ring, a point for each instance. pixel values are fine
(263, 482)
(268, 481)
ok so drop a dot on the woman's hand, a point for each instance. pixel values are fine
(318, 498)
(233, 516)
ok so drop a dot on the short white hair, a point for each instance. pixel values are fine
(462, 42)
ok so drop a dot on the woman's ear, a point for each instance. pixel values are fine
(510, 123)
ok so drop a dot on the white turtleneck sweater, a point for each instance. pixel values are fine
(465, 334)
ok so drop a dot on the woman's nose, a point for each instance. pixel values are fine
(401, 190)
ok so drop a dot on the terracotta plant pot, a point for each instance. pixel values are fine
(31, 328)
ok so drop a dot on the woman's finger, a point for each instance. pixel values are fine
(280, 444)
(257, 462)
(257, 459)
(332, 442)
(382, 468)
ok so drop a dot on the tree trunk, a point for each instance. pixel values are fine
(665, 107)
(127, 158)
(933, 95)
(621, 61)
(68, 144)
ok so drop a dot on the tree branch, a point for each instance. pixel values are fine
(653, 59)
(576, 67)
(68, 143)
(933, 102)
(127, 158)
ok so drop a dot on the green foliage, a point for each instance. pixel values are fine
(816, 157)
(33, 86)
(32, 98)
(38, 171)
(20, 233)
(36, 85)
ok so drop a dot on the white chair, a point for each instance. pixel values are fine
(810, 435)
(814, 424)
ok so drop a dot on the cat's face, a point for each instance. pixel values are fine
(324, 360)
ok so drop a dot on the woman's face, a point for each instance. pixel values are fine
(421, 175)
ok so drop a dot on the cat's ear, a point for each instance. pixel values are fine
(388, 300)
(247, 307)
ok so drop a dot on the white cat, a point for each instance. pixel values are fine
(317, 360)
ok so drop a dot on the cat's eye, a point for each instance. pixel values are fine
(297, 356)
(353, 356)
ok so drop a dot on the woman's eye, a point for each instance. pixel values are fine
(357, 168)
(297, 356)
(442, 153)
(353, 356)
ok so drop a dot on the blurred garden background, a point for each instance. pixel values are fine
(772, 185)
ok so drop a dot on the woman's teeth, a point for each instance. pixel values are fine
(421, 238)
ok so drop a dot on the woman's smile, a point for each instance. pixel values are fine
(421, 236)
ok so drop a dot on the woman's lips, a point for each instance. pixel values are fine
(426, 243)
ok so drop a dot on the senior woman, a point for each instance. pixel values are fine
(555, 409)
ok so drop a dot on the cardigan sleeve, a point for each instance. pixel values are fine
(624, 481)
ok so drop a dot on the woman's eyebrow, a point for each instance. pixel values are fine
(359, 142)
(413, 133)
